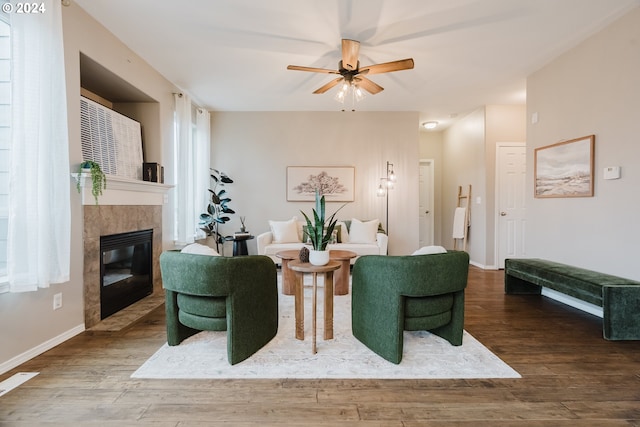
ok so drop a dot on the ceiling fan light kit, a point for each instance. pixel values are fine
(352, 76)
(357, 94)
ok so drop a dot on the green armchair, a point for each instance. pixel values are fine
(213, 293)
(414, 293)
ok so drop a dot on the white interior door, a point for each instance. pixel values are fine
(511, 165)
(425, 204)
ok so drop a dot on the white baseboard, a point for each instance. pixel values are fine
(39, 349)
(482, 266)
(573, 302)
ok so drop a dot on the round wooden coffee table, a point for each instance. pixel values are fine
(288, 276)
(341, 277)
(304, 267)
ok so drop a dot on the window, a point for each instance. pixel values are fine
(5, 135)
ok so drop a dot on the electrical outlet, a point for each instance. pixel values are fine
(57, 301)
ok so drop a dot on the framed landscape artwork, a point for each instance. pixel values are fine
(335, 183)
(565, 169)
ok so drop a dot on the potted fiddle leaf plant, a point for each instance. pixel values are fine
(98, 178)
(217, 208)
(320, 231)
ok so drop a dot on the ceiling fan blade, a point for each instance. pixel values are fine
(350, 52)
(368, 85)
(387, 67)
(328, 86)
(311, 69)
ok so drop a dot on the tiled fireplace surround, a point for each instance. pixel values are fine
(125, 205)
(113, 219)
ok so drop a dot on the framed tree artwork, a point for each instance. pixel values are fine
(336, 183)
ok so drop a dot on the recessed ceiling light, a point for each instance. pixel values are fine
(429, 125)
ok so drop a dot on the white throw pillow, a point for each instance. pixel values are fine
(363, 232)
(198, 249)
(285, 231)
(429, 250)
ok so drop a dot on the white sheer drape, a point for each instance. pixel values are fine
(202, 150)
(185, 221)
(192, 167)
(39, 206)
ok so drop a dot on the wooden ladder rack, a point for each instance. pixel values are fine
(461, 219)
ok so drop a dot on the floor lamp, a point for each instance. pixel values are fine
(387, 184)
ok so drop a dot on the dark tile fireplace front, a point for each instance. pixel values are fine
(126, 270)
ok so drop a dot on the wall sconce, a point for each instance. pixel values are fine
(386, 184)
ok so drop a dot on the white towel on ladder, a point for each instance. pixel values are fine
(459, 223)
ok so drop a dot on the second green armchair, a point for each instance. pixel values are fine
(391, 294)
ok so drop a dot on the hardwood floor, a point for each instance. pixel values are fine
(571, 376)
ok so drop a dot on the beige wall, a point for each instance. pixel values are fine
(464, 165)
(504, 123)
(431, 149)
(592, 89)
(256, 148)
(35, 327)
(469, 148)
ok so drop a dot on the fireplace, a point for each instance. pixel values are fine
(126, 273)
(125, 207)
(107, 220)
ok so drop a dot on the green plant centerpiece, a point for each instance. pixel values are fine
(217, 208)
(98, 178)
(320, 231)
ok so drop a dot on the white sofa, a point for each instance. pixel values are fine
(286, 235)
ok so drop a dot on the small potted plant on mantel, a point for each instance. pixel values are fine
(320, 231)
(98, 178)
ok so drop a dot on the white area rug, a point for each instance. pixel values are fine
(425, 355)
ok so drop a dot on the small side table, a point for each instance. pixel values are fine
(304, 267)
(239, 244)
(341, 278)
(288, 275)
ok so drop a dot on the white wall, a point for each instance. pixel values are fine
(255, 149)
(592, 89)
(30, 324)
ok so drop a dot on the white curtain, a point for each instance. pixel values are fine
(192, 167)
(39, 179)
(202, 150)
(185, 225)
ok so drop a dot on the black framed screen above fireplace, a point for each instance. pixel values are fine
(126, 273)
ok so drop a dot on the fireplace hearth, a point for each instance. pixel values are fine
(126, 270)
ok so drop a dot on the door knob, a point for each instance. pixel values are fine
(503, 213)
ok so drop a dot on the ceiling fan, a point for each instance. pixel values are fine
(350, 71)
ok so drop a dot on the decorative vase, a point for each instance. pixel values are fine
(318, 257)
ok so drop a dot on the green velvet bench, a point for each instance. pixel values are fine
(618, 297)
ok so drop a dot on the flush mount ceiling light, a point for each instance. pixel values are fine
(430, 125)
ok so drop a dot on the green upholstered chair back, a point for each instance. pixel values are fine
(237, 294)
(395, 293)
